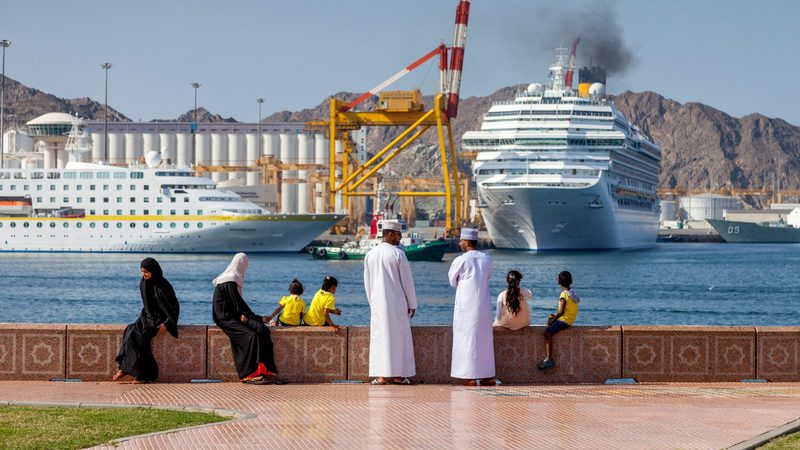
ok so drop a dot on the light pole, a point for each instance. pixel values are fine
(105, 66)
(194, 125)
(4, 43)
(260, 101)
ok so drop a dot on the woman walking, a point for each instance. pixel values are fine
(160, 313)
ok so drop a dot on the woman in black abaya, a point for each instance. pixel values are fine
(159, 314)
(250, 342)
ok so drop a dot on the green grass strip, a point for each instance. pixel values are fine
(791, 441)
(23, 427)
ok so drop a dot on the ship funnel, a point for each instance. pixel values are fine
(587, 76)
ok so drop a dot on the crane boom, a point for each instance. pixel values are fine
(571, 64)
(457, 57)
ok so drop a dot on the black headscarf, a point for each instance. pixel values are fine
(160, 302)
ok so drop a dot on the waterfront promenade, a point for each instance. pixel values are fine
(325, 415)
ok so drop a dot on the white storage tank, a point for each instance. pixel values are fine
(288, 155)
(321, 151)
(219, 155)
(132, 147)
(150, 143)
(252, 154)
(98, 147)
(116, 148)
(669, 210)
(305, 155)
(708, 206)
(167, 146)
(270, 144)
(202, 150)
(183, 149)
(236, 155)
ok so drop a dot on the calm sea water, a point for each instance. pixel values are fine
(697, 284)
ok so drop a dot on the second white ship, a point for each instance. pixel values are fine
(563, 170)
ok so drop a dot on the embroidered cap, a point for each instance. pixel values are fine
(391, 225)
(469, 234)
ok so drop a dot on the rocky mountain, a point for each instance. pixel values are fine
(23, 104)
(703, 148)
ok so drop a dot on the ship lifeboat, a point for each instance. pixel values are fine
(16, 206)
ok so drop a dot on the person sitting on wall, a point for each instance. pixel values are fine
(563, 319)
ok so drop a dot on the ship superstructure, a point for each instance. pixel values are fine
(559, 169)
(149, 207)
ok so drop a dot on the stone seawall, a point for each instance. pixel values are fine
(583, 354)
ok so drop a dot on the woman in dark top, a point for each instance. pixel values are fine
(250, 342)
(159, 313)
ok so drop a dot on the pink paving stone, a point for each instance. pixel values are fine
(778, 353)
(32, 351)
(688, 353)
(653, 416)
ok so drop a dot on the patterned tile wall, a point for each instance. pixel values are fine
(583, 354)
(32, 351)
(778, 353)
(684, 353)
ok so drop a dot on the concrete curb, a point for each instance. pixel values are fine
(227, 413)
(763, 438)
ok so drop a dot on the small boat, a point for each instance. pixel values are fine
(416, 248)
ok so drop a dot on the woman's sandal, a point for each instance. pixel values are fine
(117, 376)
(377, 382)
(399, 380)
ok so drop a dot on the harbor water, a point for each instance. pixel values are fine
(669, 284)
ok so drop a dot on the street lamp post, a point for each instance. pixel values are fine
(4, 43)
(105, 66)
(194, 125)
(260, 101)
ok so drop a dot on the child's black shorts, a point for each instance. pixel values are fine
(556, 326)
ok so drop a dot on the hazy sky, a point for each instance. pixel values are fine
(739, 56)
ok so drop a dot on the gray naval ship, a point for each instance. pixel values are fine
(778, 232)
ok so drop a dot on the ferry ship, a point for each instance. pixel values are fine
(563, 170)
(152, 207)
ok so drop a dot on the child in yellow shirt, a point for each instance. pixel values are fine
(567, 313)
(323, 305)
(292, 306)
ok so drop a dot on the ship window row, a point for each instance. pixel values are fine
(562, 112)
(522, 171)
(173, 174)
(70, 212)
(70, 175)
(107, 199)
(78, 187)
(103, 224)
(544, 142)
(219, 199)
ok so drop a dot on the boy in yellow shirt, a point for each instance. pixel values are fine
(323, 305)
(563, 319)
(291, 305)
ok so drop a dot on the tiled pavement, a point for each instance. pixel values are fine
(641, 416)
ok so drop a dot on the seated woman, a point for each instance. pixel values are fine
(159, 314)
(513, 311)
(250, 342)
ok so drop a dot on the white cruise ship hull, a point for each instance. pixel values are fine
(541, 218)
(274, 233)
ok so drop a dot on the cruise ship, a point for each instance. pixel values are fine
(563, 170)
(152, 207)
